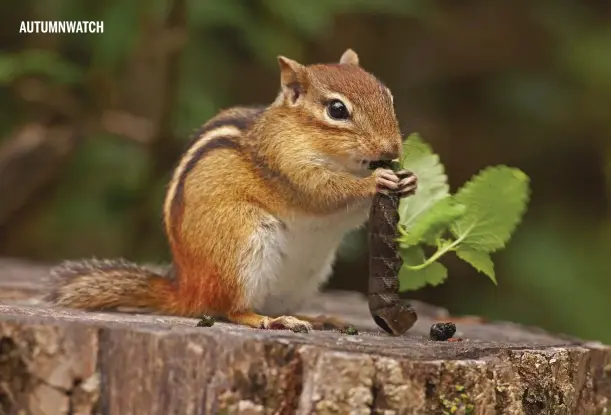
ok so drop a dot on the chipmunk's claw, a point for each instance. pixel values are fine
(386, 180)
(408, 183)
(403, 183)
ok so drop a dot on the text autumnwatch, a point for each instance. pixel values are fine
(57, 26)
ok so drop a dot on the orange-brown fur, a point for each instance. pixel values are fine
(285, 161)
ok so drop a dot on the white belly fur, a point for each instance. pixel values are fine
(287, 265)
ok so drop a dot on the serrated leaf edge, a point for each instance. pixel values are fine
(479, 269)
(479, 176)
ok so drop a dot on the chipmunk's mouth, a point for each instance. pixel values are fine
(364, 166)
(379, 163)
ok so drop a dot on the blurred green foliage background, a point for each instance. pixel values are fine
(91, 125)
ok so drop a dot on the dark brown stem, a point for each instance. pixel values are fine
(387, 309)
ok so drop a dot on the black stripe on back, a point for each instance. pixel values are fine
(241, 122)
(214, 144)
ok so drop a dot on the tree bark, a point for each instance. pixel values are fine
(57, 361)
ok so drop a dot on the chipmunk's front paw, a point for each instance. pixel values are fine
(403, 183)
(387, 181)
(286, 323)
(408, 183)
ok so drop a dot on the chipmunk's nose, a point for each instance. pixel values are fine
(390, 150)
(389, 155)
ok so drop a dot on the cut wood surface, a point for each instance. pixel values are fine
(58, 361)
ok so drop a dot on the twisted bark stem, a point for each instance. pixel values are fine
(387, 309)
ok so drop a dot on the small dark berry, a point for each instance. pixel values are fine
(349, 330)
(299, 329)
(442, 331)
(206, 321)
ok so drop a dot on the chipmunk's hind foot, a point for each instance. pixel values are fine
(258, 321)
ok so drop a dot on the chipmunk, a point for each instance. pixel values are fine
(259, 203)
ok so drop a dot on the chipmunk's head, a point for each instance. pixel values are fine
(340, 112)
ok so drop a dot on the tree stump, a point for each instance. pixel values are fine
(56, 361)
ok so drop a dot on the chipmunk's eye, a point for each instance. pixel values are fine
(338, 110)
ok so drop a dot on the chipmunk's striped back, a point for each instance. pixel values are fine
(222, 131)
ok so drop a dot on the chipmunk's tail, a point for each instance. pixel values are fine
(107, 284)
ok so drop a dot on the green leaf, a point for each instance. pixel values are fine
(495, 201)
(479, 260)
(419, 158)
(434, 274)
(431, 224)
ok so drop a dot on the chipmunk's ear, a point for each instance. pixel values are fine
(349, 57)
(293, 78)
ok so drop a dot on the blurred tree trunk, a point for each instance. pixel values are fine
(30, 163)
(152, 84)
